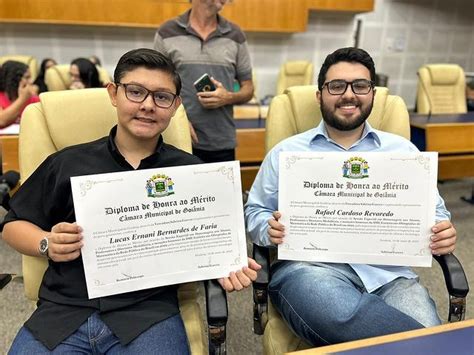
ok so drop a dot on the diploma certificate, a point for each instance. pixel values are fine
(157, 227)
(357, 207)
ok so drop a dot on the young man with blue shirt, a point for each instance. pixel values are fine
(327, 303)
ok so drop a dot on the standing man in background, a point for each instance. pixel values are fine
(201, 41)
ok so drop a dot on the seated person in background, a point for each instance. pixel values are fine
(470, 95)
(84, 74)
(327, 303)
(16, 92)
(95, 59)
(66, 320)
(39, 81)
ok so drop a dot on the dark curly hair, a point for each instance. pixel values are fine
(88, 73)
(11, 73)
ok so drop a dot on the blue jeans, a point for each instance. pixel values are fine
(94, 337)
(328, 303)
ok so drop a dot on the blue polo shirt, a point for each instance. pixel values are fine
(263, 198)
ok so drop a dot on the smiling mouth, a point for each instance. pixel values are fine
(348, 106)
(145, 119)
(348, 103)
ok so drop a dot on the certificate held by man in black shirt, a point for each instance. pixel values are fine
(157, 227)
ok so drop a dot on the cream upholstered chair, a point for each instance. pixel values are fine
(292, 73)
(441, 89)
(296, 111)
(61, 119)
(27, 59)
(57, 77)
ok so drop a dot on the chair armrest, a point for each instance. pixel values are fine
(456, 281)
(262, 256)
(456, 284)
(216, 303)
(216, 309)
(5, 280)
(260, 294)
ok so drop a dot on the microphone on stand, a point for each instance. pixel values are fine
(430, 103)
(8, 181)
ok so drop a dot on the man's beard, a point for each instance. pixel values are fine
(333, 121)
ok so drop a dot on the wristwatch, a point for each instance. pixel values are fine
(43, 246)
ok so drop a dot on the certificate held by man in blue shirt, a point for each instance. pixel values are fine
(360, 207)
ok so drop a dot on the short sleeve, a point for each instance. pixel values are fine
(244, 66)
(37, 199)
(159, 43)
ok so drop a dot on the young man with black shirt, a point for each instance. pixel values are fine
(42, 222)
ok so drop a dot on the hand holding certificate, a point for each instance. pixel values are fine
(156, 227)
(370, 208)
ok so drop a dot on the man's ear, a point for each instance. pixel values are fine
(318, 97)
(176, 104)
(112, 91)
(178, 101)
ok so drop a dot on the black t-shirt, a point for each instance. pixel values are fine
(45, 199)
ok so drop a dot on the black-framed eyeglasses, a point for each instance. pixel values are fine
(359, 86)
(137, 93)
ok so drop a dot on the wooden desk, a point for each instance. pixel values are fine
(9, 153)
(250, 145)
(250, 149)
(250, 111)
(450, 135)
(452, 338)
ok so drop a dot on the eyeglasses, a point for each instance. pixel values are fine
(137, 93)
(359, 86)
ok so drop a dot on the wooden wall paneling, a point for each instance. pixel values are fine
(251, 15)
(138, 13)
(341, 5)
(268, 15)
